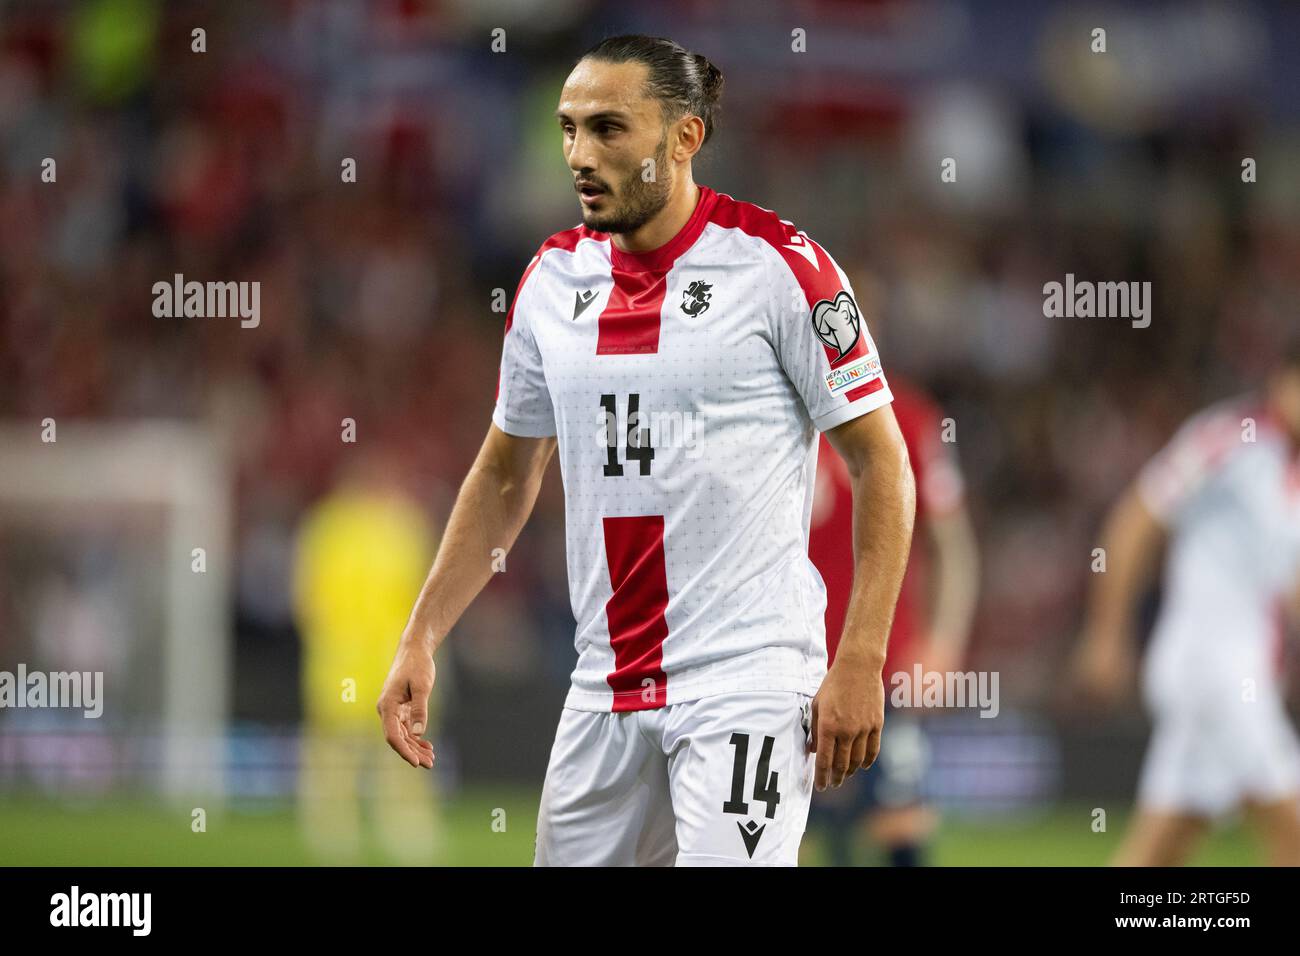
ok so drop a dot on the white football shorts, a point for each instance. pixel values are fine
(1214, 747)
(723, 780)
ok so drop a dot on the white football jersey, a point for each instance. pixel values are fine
(1227, 486)
(685, 387)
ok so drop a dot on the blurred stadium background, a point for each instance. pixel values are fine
(377, 305)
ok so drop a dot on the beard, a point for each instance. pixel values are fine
(640, 201)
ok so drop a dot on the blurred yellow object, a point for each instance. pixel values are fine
(362, 557)
(363, 552)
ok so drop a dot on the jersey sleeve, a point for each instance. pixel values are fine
(523, 403)
(1180, 470)
(821, 336)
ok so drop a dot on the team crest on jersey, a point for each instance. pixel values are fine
(837, 323)
(696, 298)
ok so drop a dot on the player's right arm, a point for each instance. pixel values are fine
(494, 502)
(1132, 538)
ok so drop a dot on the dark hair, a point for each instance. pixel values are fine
(682, 81)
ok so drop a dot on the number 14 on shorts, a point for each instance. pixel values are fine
(766, 789)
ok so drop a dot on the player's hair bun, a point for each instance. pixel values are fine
(710, 80)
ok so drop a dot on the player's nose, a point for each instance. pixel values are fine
(580, 156)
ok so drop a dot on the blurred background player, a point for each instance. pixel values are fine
(1225, 495)
(362, 553)
(931, 626)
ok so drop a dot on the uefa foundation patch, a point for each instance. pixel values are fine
(855, 373)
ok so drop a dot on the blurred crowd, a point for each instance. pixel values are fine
(380, 298)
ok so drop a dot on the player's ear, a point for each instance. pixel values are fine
(687, 137)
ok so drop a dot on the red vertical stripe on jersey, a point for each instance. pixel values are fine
(629, 324)
(634, 551)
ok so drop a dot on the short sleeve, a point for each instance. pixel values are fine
(1180, 470)
(821, 336)
(523, 405)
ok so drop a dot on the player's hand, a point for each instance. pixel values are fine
(848, 715)
(404, 704)
(1102, 669)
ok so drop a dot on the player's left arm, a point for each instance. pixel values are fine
(956, 589)
(941, 511)
(848, 712)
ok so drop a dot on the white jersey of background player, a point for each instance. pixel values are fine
(1228, 489)
(683, 350)
(1226, 493)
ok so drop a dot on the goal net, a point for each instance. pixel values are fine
(115, 576)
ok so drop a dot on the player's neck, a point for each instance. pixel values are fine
(663, 227)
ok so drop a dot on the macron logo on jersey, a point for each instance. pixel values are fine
(581, 300)
(798, 243)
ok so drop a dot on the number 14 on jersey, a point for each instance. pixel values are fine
(637, 447)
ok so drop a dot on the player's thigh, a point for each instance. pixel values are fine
(1161, 838)
(605, 801)
(1278, 824)
(1270, 773)
(741, 776)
